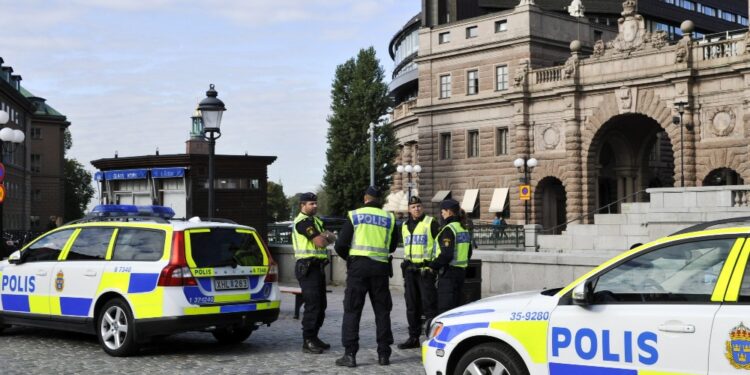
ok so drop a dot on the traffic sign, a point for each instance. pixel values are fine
(524, 192)
(2, 193)
(2, 172)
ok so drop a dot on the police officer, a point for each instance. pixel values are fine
(418, 233)
(452, 255)
(310, 240)
(365, 242)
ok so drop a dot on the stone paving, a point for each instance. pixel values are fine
(269, 350)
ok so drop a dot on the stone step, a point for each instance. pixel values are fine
(606, 230)
(636, 208)
(610, 219)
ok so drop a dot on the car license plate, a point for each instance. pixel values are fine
(230, 284)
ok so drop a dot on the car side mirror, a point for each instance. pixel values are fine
(583, 293)
(15, 257)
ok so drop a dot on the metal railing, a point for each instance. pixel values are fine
(557, 229)
(482, 234)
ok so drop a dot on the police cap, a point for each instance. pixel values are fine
(414, 200)
(373, 191)
(308, 197)
(449, 204)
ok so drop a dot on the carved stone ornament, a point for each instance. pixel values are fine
(551, 138)
(626, 99)
(659, 39)
(521, 72)
(570, 67)
(599, 48)
(681, 53)
(721, 120)
(632, 29)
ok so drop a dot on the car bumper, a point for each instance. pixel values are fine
(433, 364)
(146, 328)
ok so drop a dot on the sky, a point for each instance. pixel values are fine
(129, 73)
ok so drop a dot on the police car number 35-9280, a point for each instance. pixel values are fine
(679, 305)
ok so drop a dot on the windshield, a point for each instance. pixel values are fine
(220, 247)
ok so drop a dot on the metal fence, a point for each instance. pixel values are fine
(483, 235)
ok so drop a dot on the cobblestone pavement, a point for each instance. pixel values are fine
(269, 350)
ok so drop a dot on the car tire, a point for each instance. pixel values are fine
(115, 329)
(232, 334)
(486, 358)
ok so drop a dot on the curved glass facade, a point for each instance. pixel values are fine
(407, 46)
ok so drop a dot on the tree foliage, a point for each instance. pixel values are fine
(278, 206)
(78, 189)
(77, 184)
(359, 96)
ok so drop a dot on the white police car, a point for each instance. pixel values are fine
(129, 273)
(678, 305)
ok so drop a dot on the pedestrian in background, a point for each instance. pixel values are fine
(309, 239)
(453, 250)
(365, 242)
(418, 233)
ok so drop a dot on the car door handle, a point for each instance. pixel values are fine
(679, 328)
(41, 273)
(89, 273)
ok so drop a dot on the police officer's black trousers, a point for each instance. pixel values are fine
(421, 298)
(313, 285)
(367, 276)
(450, 288)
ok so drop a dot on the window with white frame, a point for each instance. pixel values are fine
(472, 82)
(445, 86)
(501, 73)
(501, 141)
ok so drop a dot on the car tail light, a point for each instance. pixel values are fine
(177, 272)
(273, 272)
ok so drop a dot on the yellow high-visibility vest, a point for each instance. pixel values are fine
(373, 229)
(418, 246)
(303, 247)
(460, 248)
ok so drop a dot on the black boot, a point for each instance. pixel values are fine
(410, 343)
(347, 360)
(322, 344)
(384, 360)
(309, 346)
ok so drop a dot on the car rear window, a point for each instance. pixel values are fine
(220, 247)
(139, 244)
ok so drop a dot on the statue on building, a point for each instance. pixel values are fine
(576, 9)
(632, 29)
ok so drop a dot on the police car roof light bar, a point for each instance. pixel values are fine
(709, 224)
(119, 210)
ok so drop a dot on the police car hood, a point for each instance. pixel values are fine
(489, 305)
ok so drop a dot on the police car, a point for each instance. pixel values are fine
(678, 305)
(129, 273)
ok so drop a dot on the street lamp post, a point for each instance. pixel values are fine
(676, 121)
(212, 108)
(525, 165)
(371, 131)
(409, 169)
(10, 140)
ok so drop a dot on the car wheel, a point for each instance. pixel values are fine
(490, 359)
(232, 334)
(115, 329)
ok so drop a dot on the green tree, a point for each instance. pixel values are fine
(77, 184)
(359, 96)
(278, 206)
(78, 189)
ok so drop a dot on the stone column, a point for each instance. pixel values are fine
(573, 175)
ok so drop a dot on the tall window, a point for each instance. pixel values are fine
(445, 86)
(502, 77)
(472, 82)
(36, 163)
(36, 133)
(444, 37)
(501, 141)
(472, 32)
(473, 144)
(501, 26)
(445, 146)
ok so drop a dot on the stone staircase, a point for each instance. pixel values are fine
(669, 210)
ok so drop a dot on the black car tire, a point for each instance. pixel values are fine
(232, 334)
(488, 356)
(115, 329)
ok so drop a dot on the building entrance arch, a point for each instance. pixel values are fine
(550, 202)
(629, 153)
(723, 176)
